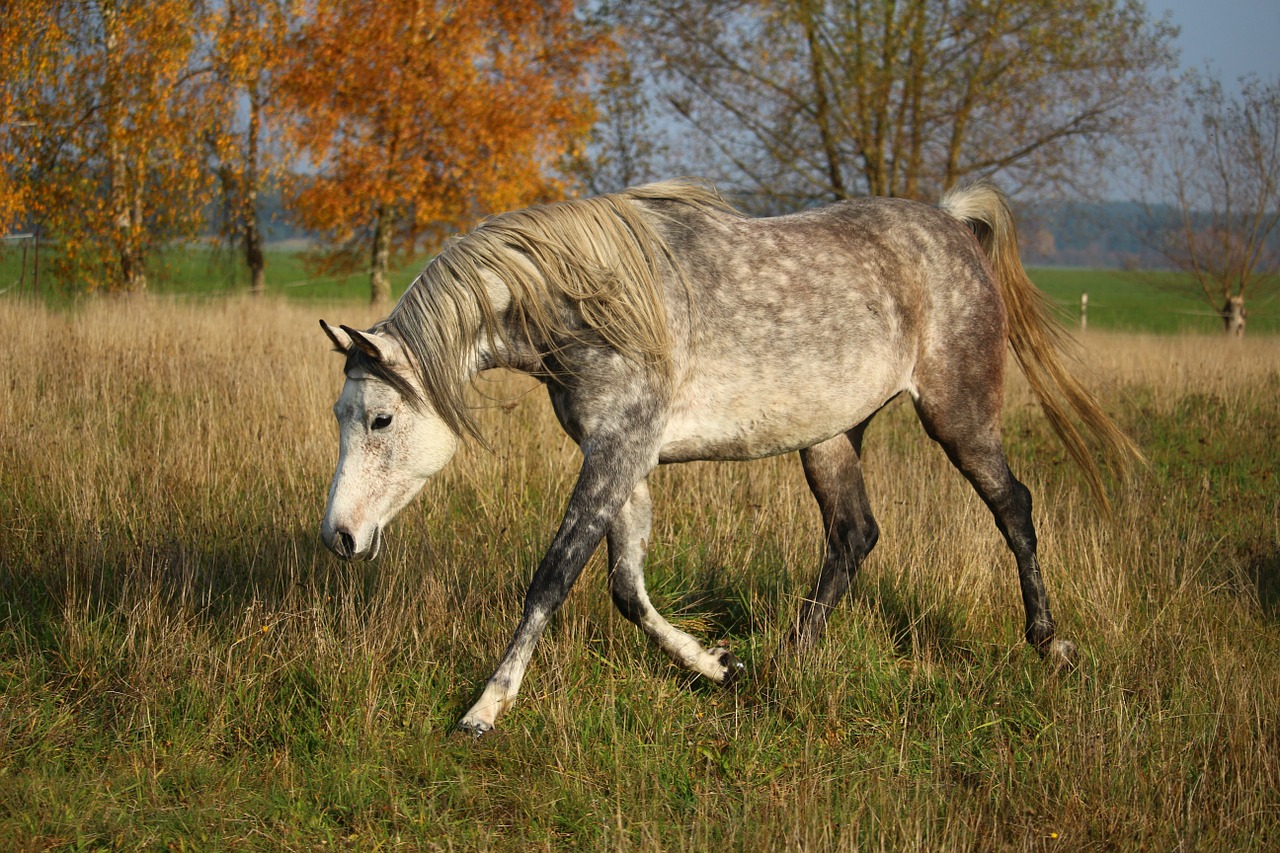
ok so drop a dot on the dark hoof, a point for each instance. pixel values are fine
(475, 728)
(733, 668)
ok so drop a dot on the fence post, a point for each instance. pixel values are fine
(22, 275)
(1084, 311)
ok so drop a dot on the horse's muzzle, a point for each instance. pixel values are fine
(343, 544)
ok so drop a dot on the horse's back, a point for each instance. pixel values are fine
(799, 327)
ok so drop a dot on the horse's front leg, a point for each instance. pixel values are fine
(628, 539)
(607, 479)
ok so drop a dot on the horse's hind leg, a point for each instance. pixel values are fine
(834, 473)
(967, 425)
(628, 538)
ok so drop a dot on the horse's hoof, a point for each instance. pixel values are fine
(1061, 656)
(733, 668)
(474, 728)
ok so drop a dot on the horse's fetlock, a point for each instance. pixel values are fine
(734, 668)
(1040, 635)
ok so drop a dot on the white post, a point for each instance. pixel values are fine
(1084, 311)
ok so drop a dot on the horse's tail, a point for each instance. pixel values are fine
(1037, 340)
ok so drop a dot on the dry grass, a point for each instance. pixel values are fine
(181, 664)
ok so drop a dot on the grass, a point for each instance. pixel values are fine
(198, 272)
(182, 666)
(1160, 302)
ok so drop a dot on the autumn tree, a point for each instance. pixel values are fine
(1217, 161)
(18, 62)
(248, 44)
(419, 116)
(807, 100)
(107, 145)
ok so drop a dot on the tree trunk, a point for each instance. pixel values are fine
(1234, 316)
(253, 254)
(822, 105)
(123, 194)
(379, 276)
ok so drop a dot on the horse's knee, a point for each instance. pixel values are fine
(627, 597)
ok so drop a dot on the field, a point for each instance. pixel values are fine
(1161, 302)
(182, 665)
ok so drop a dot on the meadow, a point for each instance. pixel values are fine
(183, 666)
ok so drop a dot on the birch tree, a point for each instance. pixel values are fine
(102, 128)
(419, 116)
(248, 52)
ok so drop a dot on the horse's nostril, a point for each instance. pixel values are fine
(346, 543)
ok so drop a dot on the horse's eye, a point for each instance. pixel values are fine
(382, 422)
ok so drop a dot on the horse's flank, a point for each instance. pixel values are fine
(1037, 341)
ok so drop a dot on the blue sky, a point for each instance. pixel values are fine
(1233, 37)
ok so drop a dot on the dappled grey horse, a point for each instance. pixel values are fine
(669, 327)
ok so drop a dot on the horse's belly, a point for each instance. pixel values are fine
(712, 424)
(779, 374)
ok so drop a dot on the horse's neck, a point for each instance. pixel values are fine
(508, 348)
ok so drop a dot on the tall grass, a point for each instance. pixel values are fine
(182, 665)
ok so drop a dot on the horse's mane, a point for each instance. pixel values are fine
(584, 271)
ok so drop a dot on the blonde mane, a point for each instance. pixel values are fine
(585, 271)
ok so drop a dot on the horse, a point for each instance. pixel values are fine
(669, 326)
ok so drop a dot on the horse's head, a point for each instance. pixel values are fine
(388, 445)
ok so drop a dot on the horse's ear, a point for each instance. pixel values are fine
(341, 340)
(370, 344)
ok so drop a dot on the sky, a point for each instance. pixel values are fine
(1233, 37)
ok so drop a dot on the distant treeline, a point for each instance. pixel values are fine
(1101, 235)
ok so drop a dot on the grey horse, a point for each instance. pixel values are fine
(668, 326)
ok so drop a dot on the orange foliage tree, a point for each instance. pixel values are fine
(418, 116)
(16, 63)
(102, 119)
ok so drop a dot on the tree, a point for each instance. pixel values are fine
(624, 145)
(109, 151)
(248, 52)
(421, 115)
(809, 100)
(1218, 162)
(16, 63)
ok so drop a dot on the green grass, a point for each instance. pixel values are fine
(1160, 302)
(182, 666)
(196, 271)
